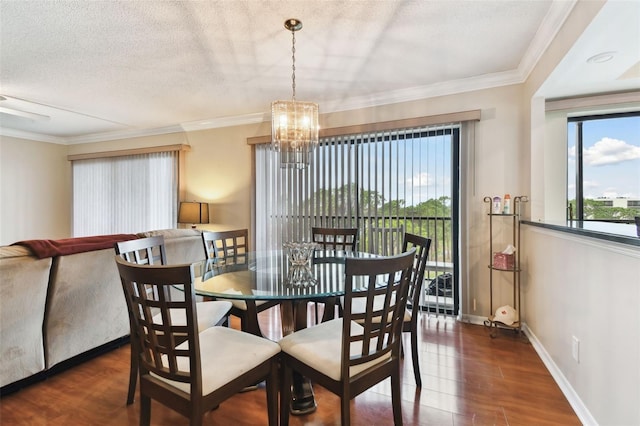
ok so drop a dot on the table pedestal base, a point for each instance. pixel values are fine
(302, 400)
(294, 317)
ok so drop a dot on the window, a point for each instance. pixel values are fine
(125, 194)
(395, 180)
(603, 181)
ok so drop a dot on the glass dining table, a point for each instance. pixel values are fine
(270, 275)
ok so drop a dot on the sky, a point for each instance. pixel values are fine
(611, 158)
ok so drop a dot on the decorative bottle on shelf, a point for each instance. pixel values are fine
(497, 205)
(506, 209)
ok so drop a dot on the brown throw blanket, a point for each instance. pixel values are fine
(51, 248)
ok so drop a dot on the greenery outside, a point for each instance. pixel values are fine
(368, 209)
(597, 210)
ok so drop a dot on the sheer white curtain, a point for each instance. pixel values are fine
(125, 194)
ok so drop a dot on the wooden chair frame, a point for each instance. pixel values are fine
(335, 238)
(162, 346)
(345, 239)
(422, 246)
(143, 251)
(379, 342)
(233, 246)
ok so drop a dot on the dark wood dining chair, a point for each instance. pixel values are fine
(349, 355)
(416, 285)
(335, 238)
(186, 370)
(224, 247)
(410, 320)
(385, 241)
(345, 239)
(151, 251)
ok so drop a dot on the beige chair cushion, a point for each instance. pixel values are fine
(239, 304)
(225, 354)
(209, 314)
(319, 347)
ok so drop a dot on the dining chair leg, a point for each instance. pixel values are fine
(329, 312)
(414, 357)
(196, 417)
(272, 393)
(145, 410)
(249, 319)
(345, 412)
(286, 380)
(396, 400)
(133, 376)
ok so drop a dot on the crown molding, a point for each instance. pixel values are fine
(452, 87)
(446, 88)
(32, 136)
(230, 121)
(123, 134)
(549, 28)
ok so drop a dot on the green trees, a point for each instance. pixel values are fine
(369, 209)
(597, 210)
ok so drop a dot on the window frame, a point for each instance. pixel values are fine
(579, 167)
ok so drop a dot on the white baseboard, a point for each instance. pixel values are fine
(574, 400)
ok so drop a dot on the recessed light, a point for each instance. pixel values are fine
(601, 57)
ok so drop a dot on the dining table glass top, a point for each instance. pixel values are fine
(270, 275)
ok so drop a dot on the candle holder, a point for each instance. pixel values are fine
(301, 276)
(299, 254)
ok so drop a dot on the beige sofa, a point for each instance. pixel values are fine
(57, 308)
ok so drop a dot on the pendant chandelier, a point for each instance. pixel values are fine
(294, 124)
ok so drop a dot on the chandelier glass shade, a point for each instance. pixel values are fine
(294, 128)
(294, 124)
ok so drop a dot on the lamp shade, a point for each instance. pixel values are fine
(193, 212)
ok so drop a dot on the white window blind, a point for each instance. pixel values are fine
(395, 180)
(125, 194)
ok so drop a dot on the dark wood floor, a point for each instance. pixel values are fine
(468, 379)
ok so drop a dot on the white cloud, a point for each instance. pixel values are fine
(590, 184)
(610, 151)
(421, 179)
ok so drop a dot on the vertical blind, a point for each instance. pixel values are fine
(125, 194)
(405, 178)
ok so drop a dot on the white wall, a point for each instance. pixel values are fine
(35, 190)
(577, 286)
(590, 289)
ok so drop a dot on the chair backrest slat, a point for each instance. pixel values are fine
(169, 347)
(386, 241)
(383, 283)
(143, 251)
(335, 238)
(230, 246)
(422, 246)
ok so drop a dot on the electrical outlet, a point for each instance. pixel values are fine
(575, 348)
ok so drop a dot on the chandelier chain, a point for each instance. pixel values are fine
(293, 59)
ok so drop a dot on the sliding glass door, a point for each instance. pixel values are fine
(384, 184)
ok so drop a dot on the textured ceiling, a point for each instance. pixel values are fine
(106, 69)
